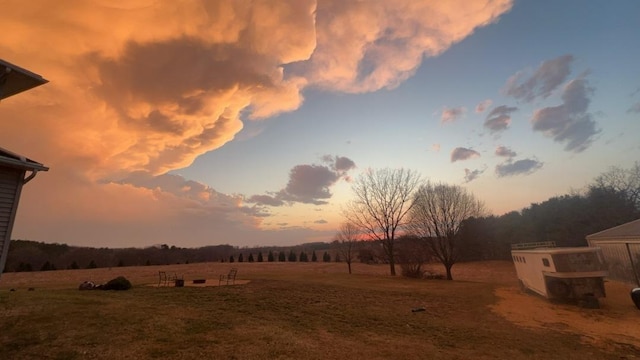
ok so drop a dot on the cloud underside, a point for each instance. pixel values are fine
(163, 83)
(544, 80)
(519, 167)
(460, 153)
(309, 184)
(452, 114)
(146, 87)
(483, 105)
(470, 175)
(569, 123)
(504, 151)
(499, 118)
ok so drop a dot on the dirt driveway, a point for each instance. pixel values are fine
(616, 322)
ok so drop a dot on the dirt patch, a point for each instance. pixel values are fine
(614, 324)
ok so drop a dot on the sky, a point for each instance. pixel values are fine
(196, 123)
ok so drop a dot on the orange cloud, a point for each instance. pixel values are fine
(148, 86)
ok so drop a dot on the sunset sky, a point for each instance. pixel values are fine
(197, 123)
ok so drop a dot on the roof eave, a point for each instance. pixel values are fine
(24, 165)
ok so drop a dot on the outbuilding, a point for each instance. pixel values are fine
(620, 247)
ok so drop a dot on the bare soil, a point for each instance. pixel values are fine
(617, 321)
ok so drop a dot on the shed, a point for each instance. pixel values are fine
(621, 250)
(15, 170)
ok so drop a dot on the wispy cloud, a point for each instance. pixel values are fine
(546, 78)
(483, 105)
(520, 167)
(635, 108)
(470, 175)
(569, 123)
(460, 153)
(499, 118)
(452, 114)
(504, 151)
(435, 147)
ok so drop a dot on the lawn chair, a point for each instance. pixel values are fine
(229, 278)
(165, 279)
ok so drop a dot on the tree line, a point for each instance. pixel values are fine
(415, 221)
(26, 255)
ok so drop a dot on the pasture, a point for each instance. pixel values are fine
(305, 311)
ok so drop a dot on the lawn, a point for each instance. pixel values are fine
(288, 311)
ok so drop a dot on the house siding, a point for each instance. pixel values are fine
(10, 186)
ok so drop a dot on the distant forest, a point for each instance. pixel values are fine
(25, 255)
(612, 199)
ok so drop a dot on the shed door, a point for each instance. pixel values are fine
(10, 186)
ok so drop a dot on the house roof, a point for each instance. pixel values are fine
(624, 231)
(10, 159)
(14, 79)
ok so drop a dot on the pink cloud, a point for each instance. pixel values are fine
(452, 114)
(483, 105)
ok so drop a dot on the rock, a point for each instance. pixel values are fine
(87, 285)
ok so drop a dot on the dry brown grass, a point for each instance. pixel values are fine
(304, 310)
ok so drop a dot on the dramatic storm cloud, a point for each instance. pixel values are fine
(546, 78)
(569, 123)
(499, 118)
(367, 46)
(520, 167)
(461, 153)
(145, 87)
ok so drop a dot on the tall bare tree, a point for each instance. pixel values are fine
(626, 181)
(436, 216)
(346, 241)
(382, 200)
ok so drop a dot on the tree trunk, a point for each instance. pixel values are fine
(392, 266)
(448, 267)
(349, 265)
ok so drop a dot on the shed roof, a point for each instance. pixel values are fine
(14, 79)
(10, 159)
(624, 231)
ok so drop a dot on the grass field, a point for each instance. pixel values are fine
(298, 311)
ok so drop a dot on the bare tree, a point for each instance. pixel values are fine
(382, 200)
(346, 242)
(626, 181)
(436, 216)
